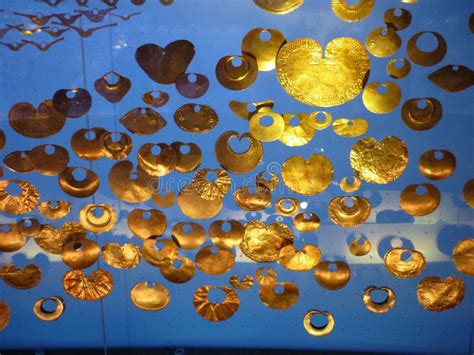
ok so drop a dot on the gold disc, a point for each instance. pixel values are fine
(80, 254)
(164, 198)
(128, 188)
(421, 119)
(147, 223)
(214, 189)
(98, 218)
(381, 103)
(379, 307)
(11, 238)
(241, 284)
(332, 279)
(88, 288)
(463, 256)
(383, 42)
(50, 164)
(396, 71)
(350, 184)
(350, 128)
(235, 76)
(24, 202)
(196, 118)
(143, 121)
(150, 296)
(21, 278)
(264, 51)
(306, 222)
(188, 235)
(404, 263)
(216, 312)
(238, 162)
(330, 81)
(318, 331)
(307, 177)
(116, 149)
(265, 133)
(54, 209)
(226, 239)
(78, 188)
(285, 299)
(279, 7)
(349, 211)
(417, 203)
(159, 252)
(157, 164)
(126, 256)
(352, 12)
(180, 273)
(437, 164)
(214, 263)
(468, 193)
(85, 143)
(299, 260)
(265, 276)
(360, 246)
(155, 98)
(398, 21)
(423, 58)
(452, 78)
(287, 206)
(189, 161)
(296, 135)
(194, 206)
(437, 295)
(379, 162)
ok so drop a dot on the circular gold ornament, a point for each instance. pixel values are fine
(214, 189)
(420, 204)
(352, 12)
(350, 128)
(330, 81)
(78, 188)
(160, 164)
(196, 118)
(423, 58)
(396, 71)
(287, 206)
(468, 193)
(194, 206)
(264, 51)
(360, 246)
(189, 161)
(332, 279)
(404, 263)
(279, 7)
(379, 307)
(46, 315)
(318, 331)
(349, 211)
(88, 288)
(188, 235)
(178, 274)
(150, 296)
(379, 162)
(80, 254)
(421, 119)
(307, 177)
(268, 133)
(98, 218)
(11, 238)
(437, 168)
(116, 149)
(147, 223)
(285, 299)
(350, 184)
(54, 209)
(130, 186)
(253, 198)
(164, 198)
(85, 142)
(437, 295)
(398, 21)
(379, 103)
(214, 263)
(22, 203)
(216, 312)
(50, 163)
(295, 135)
(126, 256)
(155, 98)
(159, 252)
(236, 76)
(226, 239)
(383, 42)
(306, 222)
(238, 162)
(299, 260)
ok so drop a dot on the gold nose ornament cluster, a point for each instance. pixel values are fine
(320, 74)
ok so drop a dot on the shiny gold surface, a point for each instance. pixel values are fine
(300, 134)
(216, 312)
(267, 179)
(155, 98)
(452, 78)
(196, 118)
(189, 161)
(159, 252)
(150, 296)
(350, 128)
(22, 203)
(379, 307)
(353, 11)
(265, 276)
(379, 162)
(4, 315)
(36, 123)
(126, 187)
(417, 204)
(299, 260)
(235, 76)
(178, 274)
(78, 188)
(80, 254)
(423, 58)
(350, 184)
(226, 239)
(263, 51)
(306, 222)
(28, 227)
(126, 256)
(360, 247)
(421, 119)
(74, 106)
(165, 64)
(192, 89)
(143, 121)
(253, 198)
(238, 162)
(164, 198)
(116, 149)
(463, 256)
(159, 164)
(287, 206)
(329, 279)
(21, 278)
(266, 133)
(397, 21)
(112, 86)
(318, 123)
(307, 177)
(241, 284)
(396, 71)
(49, 239)
(279, 7)
(330, 81)
(279, 301)
(188, 235)
(349, 211)
(19, 161)
(437, 168)
(98, 218)
(194, 206)
(468, 193)
(54, 209)
(437, 295)
(398, 266)
(214, 189)
(379, 103)
(72, 231)
(214, 263)
(242, 109)
(318, 331)
(46, 315)
(383, 42)
(11, 238)
(262, 243)
(147, 223)
(88, 288)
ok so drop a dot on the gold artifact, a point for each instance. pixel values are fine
(54, 209)
(80, 254)
(279, 7)
(194, 206)
(353, 11)
(463, 256)
(164, 198)
(437, 164)
(24, 202)
(229, 238)
(116, 149)
(253, 198)
(216, 312)
(19, 161)
(238, 162)
(242, 109)
(155, 98)
(88, 288)
(418, 203)
(299, 134)
(264, 51)
(330, 81)
(437, 295)
(157, 163)
(307, 177)
(318, 331)
(159, 252)
(299, 260)
(112, 86)
(188, 235)
(4, 315)
(98, 218)
(237, 72)
(78, 188)
(21, 278)
(46, 315)
(150, 296)
(396, 71)
(211, 189)
(143, 121)
(196, 118)
(379, 103)
(29, 227)
(178, 274)
(49, 164)
(189, 161)
(453, 78)
(468, 193)
(350, 184)
(306, 222)
(189, 88)
(147, 223)
(423, 58)
(265, 276)
(349, 211)
(214, 263)
(332, 279)
(287, 206)
(360, 246)
(350, 128)
(383, 42)
(11, 238)
(241, 284)
(379, 307)
(404, 263)
(379, 162)
(72, 103)
(285, 299)
(126, 256)
(421, 118)
(130, 186)
(265, 133)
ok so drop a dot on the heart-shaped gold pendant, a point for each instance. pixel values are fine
(332, 80)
